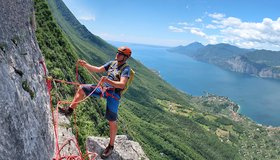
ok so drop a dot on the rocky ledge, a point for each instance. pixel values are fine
(124, 148)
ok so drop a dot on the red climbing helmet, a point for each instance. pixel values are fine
(125, 50)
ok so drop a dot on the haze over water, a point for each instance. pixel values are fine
(259, 98)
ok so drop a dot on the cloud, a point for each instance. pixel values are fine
(244, 33)
(216, 15)
(197, 32)
(87, 18)
(222, 29)
(211, 26)
(261, 32)
(226, 22)
(175, 29)
(198, 20)
(211, 39)
(183, 23)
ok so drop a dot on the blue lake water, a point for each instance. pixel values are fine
(259, 98)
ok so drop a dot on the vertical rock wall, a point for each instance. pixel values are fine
(26, 130)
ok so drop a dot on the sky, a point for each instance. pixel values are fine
(243, 23)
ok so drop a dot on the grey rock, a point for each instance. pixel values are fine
(26, 126)
(269, 73)
(26, 130)
(64, 135)
(124, 149)
(243, 65)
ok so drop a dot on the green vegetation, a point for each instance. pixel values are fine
(269, 58)
(3, 46)
(27, 88)
(15, 40)
(166, 122)
(254, 141)
(60, 59)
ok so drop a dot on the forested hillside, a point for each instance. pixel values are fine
(167, 123)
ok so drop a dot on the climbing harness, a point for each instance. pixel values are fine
(114, 66)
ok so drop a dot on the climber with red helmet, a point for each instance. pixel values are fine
(118, 75)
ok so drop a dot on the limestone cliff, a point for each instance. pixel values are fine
(243, 65)
(26, 130)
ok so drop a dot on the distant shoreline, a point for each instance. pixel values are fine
(237, 109)
(188, 87)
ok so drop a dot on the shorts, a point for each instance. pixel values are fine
(112, 103)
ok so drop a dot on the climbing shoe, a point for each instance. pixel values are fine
(67, 111)
(107, 152)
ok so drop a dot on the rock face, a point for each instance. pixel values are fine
(269, 73)
(124, 149)
(64, 134)
(26, 130)
(243, 65)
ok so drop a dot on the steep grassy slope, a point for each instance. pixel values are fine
(60, 59)
(183, 132)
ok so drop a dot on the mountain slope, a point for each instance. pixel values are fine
(140, 106)
(218, 53)
(261, 63)
(269, 58)
(166, 122)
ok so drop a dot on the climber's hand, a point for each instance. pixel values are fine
(103, 79)
(82, 62)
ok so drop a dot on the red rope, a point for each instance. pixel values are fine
(55, 119)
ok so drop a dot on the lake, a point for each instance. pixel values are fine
(258, 98)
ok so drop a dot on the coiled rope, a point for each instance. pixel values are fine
(58, 148)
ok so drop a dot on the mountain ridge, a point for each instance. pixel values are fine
(189, 49)
(263, 63)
